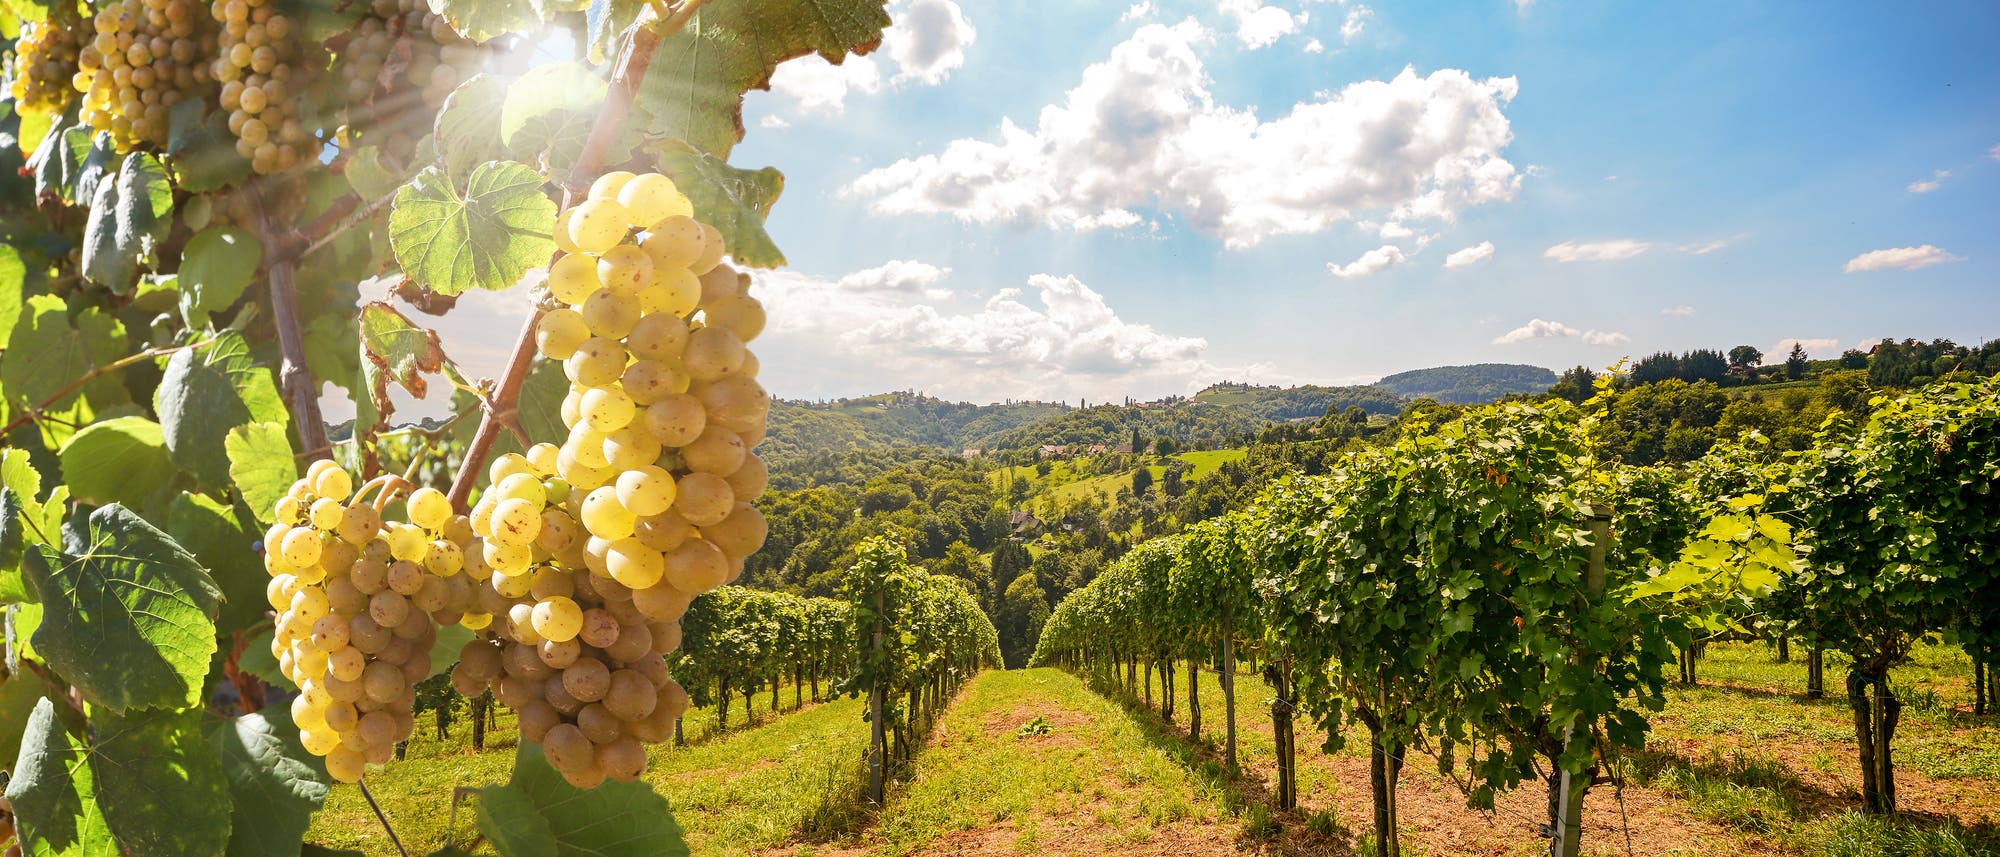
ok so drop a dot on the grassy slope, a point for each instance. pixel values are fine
(1068, 484)
(1098, 782)
(740, 791)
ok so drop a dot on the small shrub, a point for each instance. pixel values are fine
(1038, 726)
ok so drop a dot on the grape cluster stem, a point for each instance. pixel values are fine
(393, 838)
(625, 82)
(294, 377)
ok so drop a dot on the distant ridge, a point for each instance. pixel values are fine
(1475, 384)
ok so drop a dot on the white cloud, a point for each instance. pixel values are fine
(1055, 338)
(1258, 25)
(1703, 248)
(774, 122)
(1372, 262)
(1819, 349)
(1535, 329)
(928, 41)
(1927, 185)
(1596, 251)
(1522, 5)
(1539, 329)
(821, 87)
(1141, 129)
(1357, 19)
(897, 275)
(1141, 9)
(1682, 311)
(1470, 256)
(1993, 153)
(1315, 46)
(1900, 258)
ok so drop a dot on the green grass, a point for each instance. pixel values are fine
(1206, 461)
(789, 778)
(1096, 767)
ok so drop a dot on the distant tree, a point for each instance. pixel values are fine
(1355, 415)
(1854, 358)
(1704, 364)
(1174, 484)
(1744, 358)
(1657, 367)
(1795, 363)
(1576, 385)
(1019, 490)
(1165, 446)
(1142, 479)
(1138, 445)
(1024, 608)
(1010, 559)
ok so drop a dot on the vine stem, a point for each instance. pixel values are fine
(94, 374)
(380, 816)
(294, 377)
(625, 82)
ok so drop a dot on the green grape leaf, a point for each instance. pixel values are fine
(120, 460)
(611, 820)
(207, 392)
(52, 792)
(451, 639)
(369, 177)
(217, 265)
(159, 782)
(201, 150)
(216, 535)
(468, 124)
(274, 784)
(129, 615)
(13, 276)
(694, 86)
(480, 20)
(44, 354)
(547, 114)
(11, 546)
(733, 201)
(41, 521)
(487, 238)
(603, 21)
(257, 660)
(127, 216)
(261, 465)
(17, 707)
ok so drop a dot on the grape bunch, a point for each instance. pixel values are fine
(428, 53)
(259, 63)
(358, 603)
(592, 550)
(45, 63)
(144, 57)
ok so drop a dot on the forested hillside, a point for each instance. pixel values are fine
(1300, 402)
(1469, 385)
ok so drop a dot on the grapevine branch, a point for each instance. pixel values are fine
(294, 377)
(93, 374)
(625, 82)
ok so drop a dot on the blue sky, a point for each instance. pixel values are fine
(1270, 190)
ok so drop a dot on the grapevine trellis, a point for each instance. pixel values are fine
(1438, 592)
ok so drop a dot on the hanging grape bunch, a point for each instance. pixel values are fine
(358, 602)
(593, 549)
(45, 61)
(382, 112)
(259, 63)
(144, 57)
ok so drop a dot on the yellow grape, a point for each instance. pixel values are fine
(740, 534)
(605, 517)
(509, 560)
(597, 362)
(625, 269)
(646, 491)
(675, 242)
(445, 558)
(522, 486)
(633, 564)
(558, 619)
(741, 315)
(300, 547)
(606, 409)
(516, 522)
(608, 185)
(674, 290)
(562, 232)
(648, 381)
(514, 585)
(704, 499)
(659, 336)
(712, 250)
(542, 457)
(676, 420)
(720, 282)
(429, 508)
(573, 278)
(599, 225)
(333, 482)
(586, 445)
(718, 451)
(326, 513)
(559, 332)
(712, 353)
(651, 198)
(697, 566)
(407, 543)
(508, 465)
(610, 314)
